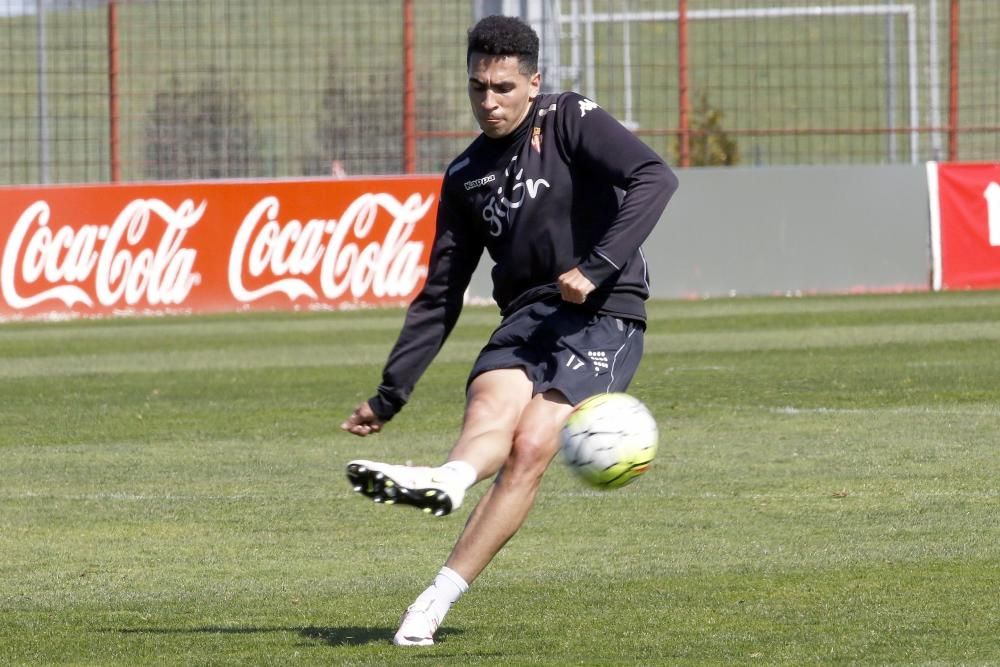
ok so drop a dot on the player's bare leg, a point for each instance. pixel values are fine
(503, 426)
(504, 507)
(493, 407)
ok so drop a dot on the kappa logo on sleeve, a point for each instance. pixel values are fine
(587, 105)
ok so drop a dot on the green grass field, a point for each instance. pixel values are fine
(826, 493)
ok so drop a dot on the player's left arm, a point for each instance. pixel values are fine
(574, 285)
(598, 143)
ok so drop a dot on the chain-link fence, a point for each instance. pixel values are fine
(98, 90)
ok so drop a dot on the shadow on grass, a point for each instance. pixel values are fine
(351, 636)
(360, 636)
(348, 636)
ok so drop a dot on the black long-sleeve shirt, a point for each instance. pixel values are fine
(570, 187)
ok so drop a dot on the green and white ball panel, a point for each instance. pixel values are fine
(609, 440)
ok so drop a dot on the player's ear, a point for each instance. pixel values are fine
(534, 85)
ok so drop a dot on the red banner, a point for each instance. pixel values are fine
(965, 225)
(201, 247)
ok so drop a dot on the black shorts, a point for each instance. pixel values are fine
(564, 347)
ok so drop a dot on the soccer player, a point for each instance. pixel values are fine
(562, 196)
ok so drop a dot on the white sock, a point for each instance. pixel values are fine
(447, 588)
(461, 472)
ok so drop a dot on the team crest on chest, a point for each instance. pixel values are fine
(536, 139)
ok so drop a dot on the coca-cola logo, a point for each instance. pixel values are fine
(42, 263)
(272, 254)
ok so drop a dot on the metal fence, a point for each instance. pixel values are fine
(99, 90)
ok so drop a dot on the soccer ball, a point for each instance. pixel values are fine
(609, 440)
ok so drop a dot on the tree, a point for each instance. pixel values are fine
(709, 145)
(204, 133)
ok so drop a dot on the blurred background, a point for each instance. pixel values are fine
(97, 91)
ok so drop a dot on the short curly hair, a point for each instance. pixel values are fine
(505, 36)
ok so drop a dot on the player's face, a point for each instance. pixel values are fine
(500, 94)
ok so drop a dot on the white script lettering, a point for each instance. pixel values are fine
(66, 257)
(285, 250)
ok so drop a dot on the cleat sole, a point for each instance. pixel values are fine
(384, 490)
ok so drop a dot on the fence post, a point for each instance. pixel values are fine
(409, 93)
(113, 111)
(682, 84)
(953, 81)
(43, 95)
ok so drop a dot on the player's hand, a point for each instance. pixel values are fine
(362, 421)
(574, 286)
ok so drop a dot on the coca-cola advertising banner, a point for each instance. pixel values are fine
(965, 224)
(201, 247)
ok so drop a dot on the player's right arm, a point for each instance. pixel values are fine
(362, 421)
(429, 319)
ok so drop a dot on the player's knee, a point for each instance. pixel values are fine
(531, 453)
(479, 407)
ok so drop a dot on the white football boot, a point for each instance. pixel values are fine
(428, 489)
(417, 627)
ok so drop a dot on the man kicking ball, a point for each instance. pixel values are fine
(562, 196)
